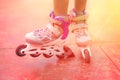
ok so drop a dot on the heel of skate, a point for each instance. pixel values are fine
(86, 54)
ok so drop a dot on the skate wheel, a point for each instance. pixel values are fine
(47, 55)
(35, 55)
(61, 56)
(68, 52)
(19, 51)
(86, 56)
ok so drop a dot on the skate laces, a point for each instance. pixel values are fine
(43, 33)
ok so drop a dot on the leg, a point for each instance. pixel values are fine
(60, 7)
(80, 5)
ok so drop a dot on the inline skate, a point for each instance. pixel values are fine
(80, 30)
(48, 41)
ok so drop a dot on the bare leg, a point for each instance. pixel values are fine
(60, 7)
(80, 5)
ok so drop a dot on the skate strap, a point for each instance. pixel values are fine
(79, 27)
(79, 18)
(65, 30)
(57, 22)
(63, 23)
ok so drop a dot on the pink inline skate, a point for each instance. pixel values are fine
(48, 41)
(80, 30)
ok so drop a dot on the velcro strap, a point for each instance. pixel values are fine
(79, 18)
(79, 27)
(57, 22)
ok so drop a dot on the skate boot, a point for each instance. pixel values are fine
(47, 41)
(80, 29)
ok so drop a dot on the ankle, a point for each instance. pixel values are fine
(78, 17)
